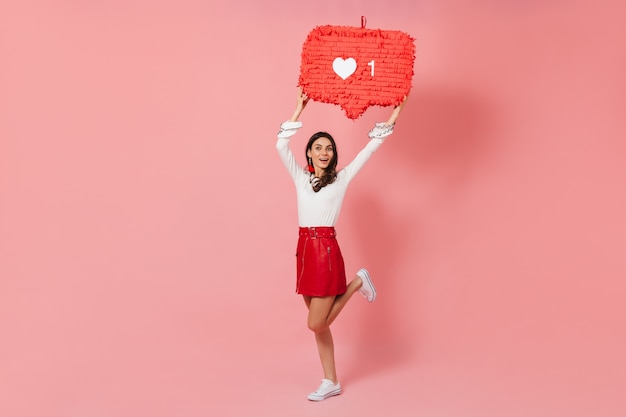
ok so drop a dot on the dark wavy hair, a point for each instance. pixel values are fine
(330, 173)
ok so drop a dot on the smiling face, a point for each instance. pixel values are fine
(322, 153)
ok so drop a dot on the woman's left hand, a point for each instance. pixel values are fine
(396, 112)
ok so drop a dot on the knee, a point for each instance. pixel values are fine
(317, 326)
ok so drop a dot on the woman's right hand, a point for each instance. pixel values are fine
(301, 103)
(303, 99)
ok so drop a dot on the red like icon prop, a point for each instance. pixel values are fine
(356, 67)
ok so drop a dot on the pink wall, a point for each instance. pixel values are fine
(137, 158)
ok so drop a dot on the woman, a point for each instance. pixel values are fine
(321, 278)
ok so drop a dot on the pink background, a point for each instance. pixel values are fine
(147, 226)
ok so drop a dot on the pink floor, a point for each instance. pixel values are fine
(166, 361)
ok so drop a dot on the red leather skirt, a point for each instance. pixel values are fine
(320, 268)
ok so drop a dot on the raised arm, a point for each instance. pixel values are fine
(384, 129)
(377, 136)
(396, 112)
(287, 130)
(301, 103)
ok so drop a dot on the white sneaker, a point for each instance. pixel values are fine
(326, 389)
(367, 290)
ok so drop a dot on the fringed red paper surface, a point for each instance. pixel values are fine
(356, 68)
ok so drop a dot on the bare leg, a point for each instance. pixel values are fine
(322, 312)
(326, 349)
(319, 308)
(342, 300)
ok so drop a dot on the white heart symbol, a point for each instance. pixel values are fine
(344, 67)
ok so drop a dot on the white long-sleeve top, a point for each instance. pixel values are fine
(322, 208)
